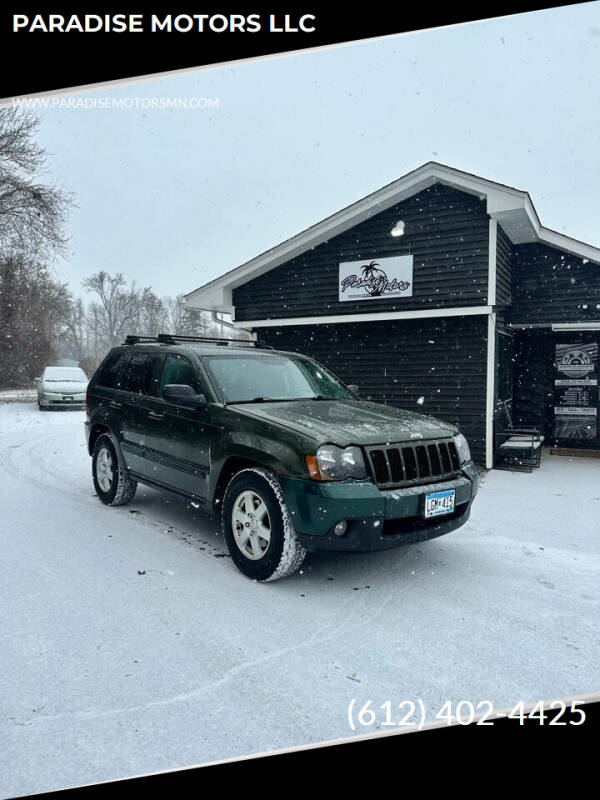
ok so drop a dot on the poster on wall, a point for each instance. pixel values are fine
(576, 391)
(376, 279)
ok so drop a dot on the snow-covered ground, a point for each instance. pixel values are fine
(18, 395)
(107, 672)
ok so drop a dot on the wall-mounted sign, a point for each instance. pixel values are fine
(376, 279)
(576, 391)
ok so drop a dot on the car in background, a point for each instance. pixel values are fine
(61, 386)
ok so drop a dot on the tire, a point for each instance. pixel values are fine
(112, 481)
(262, 545)
(41, 407)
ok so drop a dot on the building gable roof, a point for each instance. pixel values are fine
(511, 207)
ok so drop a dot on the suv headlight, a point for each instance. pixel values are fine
(462, 446)
(332, 463)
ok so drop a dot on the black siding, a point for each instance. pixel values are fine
(447, 232)
(503, 269)
(552, 286)
(442, 361)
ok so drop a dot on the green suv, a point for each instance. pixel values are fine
(292, 458)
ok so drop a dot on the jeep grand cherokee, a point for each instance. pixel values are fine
(291, 458)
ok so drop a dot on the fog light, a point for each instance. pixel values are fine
(340, 528)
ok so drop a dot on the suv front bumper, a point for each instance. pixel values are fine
(376, 519)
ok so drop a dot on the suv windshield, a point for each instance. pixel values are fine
(246, 379)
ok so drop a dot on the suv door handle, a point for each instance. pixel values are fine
(155, 415)
(114, 404)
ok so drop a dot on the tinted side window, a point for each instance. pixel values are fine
(110, 375)
(139, 373)
(179, 369)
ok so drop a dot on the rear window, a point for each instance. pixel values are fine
(139, 374)
(111, 372)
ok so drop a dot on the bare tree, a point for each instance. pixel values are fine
(89, 333)
(32, 214)
(93, 317)
(175, 310)
(79, 339)
(33, 307)
(119, 309)
(153, 314)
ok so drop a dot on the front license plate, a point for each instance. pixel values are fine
(438, 503)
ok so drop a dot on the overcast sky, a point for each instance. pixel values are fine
(174, 198)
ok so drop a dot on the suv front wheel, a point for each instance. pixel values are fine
(112, 481)
(257, 526)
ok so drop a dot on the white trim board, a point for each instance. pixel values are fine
(384, 316)
(592, 325)
(490, 389)
(576, 326)
(492, 261)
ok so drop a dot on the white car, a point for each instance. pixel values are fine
(61, 386)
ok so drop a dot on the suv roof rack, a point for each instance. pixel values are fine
(137, 339)
(173, 338)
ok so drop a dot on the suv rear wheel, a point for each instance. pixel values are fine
(257, 526)
(112, 481)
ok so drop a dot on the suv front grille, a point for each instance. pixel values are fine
(406, 464)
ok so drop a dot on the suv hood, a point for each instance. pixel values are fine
(347, 422)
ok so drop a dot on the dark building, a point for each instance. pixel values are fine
(442, 293)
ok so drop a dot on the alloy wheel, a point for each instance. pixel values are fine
(104, 469)
(251, 525)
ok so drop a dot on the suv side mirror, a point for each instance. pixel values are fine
(354, 389)
(180, 394)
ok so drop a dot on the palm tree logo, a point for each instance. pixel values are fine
(375, 278)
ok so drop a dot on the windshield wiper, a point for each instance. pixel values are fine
(316, 397)
(256, 400)
(279, 400)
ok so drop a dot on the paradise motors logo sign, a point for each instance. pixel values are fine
(377, 279)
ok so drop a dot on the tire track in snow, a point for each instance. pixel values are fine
(242, 668)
